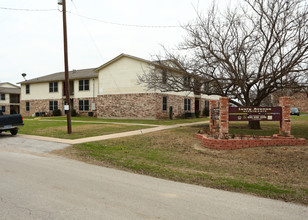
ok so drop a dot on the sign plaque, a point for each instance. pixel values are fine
(255, 113)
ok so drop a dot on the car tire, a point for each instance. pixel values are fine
(14, 131)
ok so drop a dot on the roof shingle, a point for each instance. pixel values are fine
(60, 76)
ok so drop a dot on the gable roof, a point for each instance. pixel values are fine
(93, 72)
(119, 57)
(2, 85)
(60, 76)
(4, 90)
(164, 64)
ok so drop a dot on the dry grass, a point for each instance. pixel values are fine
(274, 172)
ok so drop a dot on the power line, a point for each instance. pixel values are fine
(27, 9)
(96, 47)
(94, 19)
(127, 25)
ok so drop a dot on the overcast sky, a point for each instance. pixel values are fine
(32, 41)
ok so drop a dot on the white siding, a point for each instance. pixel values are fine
(92, 92)
(121, 77)
(6, 101)
(41, 91)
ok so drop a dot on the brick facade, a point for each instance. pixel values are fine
(224, 116)
(230, 142)
(285, 128)
(248, 141)
(141, 105)
(213, 122)
(40, 105)
(299, 100)
(85, 113)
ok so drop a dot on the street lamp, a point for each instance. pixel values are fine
(67, 95)
(24, 75)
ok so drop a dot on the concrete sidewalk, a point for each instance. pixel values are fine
(110, 136)
(97, 122)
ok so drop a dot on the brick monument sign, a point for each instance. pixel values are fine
(219, 138)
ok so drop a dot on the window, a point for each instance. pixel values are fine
(206, 111)
(2, 96)
(27, 89)
(165, 103)
(186, 104)
(53, 87)
(83, 85)
(53, 105)
(83, 105)
(187, 81)
(27, 106)
(3, 108)
(206, 87)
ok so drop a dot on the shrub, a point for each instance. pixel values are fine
(197, 113)
(56, 112)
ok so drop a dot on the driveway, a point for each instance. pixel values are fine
(38, 185)
(18, 144)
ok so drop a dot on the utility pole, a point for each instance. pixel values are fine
(67, 95)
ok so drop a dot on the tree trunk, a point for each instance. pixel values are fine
(254, 125)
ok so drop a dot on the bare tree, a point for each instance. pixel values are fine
(246, 53)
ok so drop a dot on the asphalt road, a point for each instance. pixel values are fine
(38, 185)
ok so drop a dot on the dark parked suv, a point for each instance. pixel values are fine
(295, 111)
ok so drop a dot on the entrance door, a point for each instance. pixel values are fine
(197, 105)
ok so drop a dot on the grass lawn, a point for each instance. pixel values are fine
(134, 121)
(58, 129)
(273, 172)
(299, 128)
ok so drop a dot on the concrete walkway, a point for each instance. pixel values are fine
(110, 136)
(96, 122)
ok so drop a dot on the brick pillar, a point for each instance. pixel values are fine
(285, 124)
(213, 122)
(224, 116)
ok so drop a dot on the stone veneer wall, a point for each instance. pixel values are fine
(40, 105)
(145, 105)
(142, 105)
(85, 113)
(177, 103)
